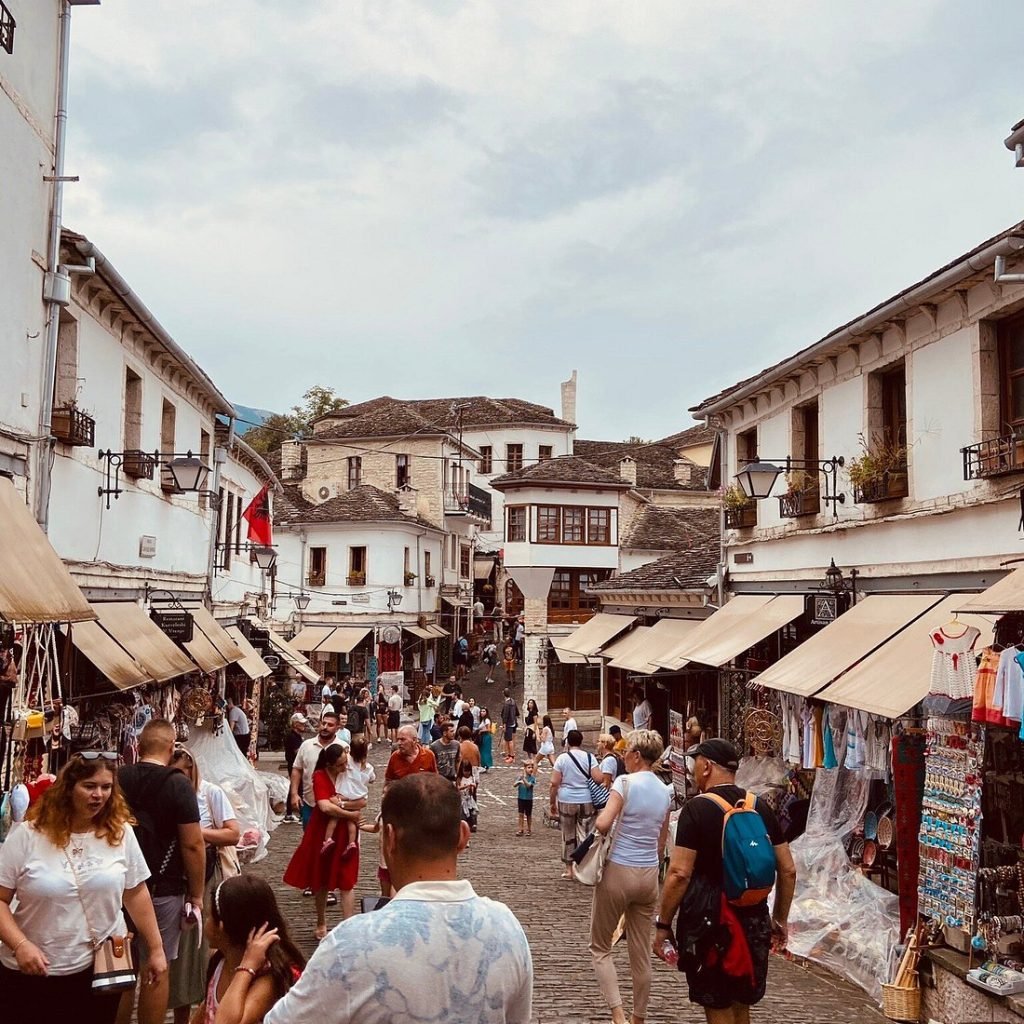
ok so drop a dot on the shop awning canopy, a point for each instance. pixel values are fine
(595, 633)
(661, 639)
(734, 628)
(419, 631)
(112, 660)
(344, 639)
(436, 630)
(1005, 596)
(891, 680)
(310, 637)
(216, 634)
(567, 657)
(202, 651)
(251, 663)
(482, 570)
(285, 647)
(35, 585)
(148, 644)
(624, 653)
(854, 635)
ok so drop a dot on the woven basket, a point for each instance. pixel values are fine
(902, 1002)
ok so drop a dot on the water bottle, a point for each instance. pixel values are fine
(669, 953)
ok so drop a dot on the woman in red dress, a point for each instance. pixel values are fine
(312, 867)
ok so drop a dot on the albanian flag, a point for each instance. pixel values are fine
(257, 515)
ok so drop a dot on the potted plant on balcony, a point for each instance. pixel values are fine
(880, 471)
(357, 579)
(73, 425)
(410, 579)
(429, 581)
(740, 511)
(801, 497)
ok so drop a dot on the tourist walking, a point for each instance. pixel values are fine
(643, 713)
(394, 712)
(294, 739)
(312, 867)
(446, 751)
(427, 707)
(410, 758)
(640, 803)
(358, 712)
(301, 795)
(466, 786)
(437, 949)
(509, 724)
(508, 662)
(486, 740)
(166, 810)
(609, 764)
(490, 659)
(532, 722)
(519, 637)
(567, 726)
(695, 886)
(381, 715)
(570, 795)
(221, 833)
(546, 750)
(238, 721)
(71, 867)
(255, 961)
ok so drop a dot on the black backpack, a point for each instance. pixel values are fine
(142, 798)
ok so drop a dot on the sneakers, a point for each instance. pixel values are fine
(289, 819)
(332, 899)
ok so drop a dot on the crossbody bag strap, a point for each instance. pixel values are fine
(78, 892)
(618, 817)
(586, 775)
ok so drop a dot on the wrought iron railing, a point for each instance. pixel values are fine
(800, 503)
(73, 426)
(994, 457)
(739, 517)
(886, 487)
(139, 465)
(475, 501)
(7, 26)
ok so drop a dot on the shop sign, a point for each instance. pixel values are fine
(178, 625)
(360, 598)
(677, 747)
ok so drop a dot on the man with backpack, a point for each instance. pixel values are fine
(728, 855)
(164, 806)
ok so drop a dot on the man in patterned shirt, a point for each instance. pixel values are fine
(437, 952)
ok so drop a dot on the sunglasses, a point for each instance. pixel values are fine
(95, 755)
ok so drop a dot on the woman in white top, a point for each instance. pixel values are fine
(221, 831)
(72, 866)
(629, 885)
(607, 763)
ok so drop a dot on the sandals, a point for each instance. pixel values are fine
(520, 832)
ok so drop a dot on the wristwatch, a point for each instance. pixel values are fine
(662, 925)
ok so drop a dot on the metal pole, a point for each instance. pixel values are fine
(220, 456)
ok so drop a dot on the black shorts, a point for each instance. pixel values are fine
(525, 806)
(394, 719)
(717, 991)
(510, 731)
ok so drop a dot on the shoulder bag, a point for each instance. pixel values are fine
(598, 794)
(590, 856)
(112, 966)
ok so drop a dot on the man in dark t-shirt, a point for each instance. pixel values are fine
(697, 861)
(446, 751)
(164, 804)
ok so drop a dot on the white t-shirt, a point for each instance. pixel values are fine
(457, 708)
(574, 788)
(636, 835)
(609, 766)
(570, 724)
(354, 782)
(239, 723)
(214, 806)
(642, 714)
(306, 758)
(326, 693)
(395, 702)
(47, 907)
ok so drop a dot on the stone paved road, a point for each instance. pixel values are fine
(524, 874)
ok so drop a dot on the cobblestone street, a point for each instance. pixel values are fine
(524, 873)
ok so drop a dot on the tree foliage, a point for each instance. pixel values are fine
(297, 423)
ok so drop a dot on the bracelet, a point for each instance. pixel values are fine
(662, 926)
(248, 970)
(20, 944)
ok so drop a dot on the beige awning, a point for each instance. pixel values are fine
(108, 655)
(854, 635)
(35, 585)
(251, 664)
(422, 633)
(437, 630)
(734, 628)
(482, 570)
(1005, 596)
(891, 680)
(624, 652)
(664, 636)
(344, 639)
(148, 644)
(286, 648)
(202, 651)
(310, 637)
(567, 657)
(216, 634)
(595, 633)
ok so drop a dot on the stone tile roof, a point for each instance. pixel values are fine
(363, 504)
(684, 570)
(567, 469)
(691, 436)
(388, 417)
(672, 529)
(655, 463)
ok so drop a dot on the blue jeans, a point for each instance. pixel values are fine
(425, 733)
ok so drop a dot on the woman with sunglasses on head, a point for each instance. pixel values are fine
(72, 865)
(221, 831)
(255, 960)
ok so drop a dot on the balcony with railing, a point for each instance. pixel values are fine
(795, 504)
(316, 578)
(73, 426)
(475, 502)
(741, 517)
(997, 456)
(887, 486)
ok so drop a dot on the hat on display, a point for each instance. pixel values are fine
(300, 717)
(718, 751)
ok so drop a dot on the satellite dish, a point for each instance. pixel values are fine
(324, 492)
(391, 634)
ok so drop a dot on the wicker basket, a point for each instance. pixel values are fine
(902, 1002)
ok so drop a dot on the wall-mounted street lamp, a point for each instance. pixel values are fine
(394, 600)
(301, 601)
(188, 473)
(263, 556)
(757, 478)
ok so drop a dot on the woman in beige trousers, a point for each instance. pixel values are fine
(629, 884)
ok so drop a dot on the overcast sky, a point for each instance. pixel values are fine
(445, 198)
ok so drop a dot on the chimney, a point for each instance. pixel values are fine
(407, 500)
(569, 398)
(627, 470)
(291, 461)
(682, 470)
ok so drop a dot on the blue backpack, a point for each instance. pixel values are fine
(748, 857)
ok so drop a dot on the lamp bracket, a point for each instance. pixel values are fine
(114, 461)
(828, 468)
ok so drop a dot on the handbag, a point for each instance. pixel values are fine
(112, 967)
(593, 851)
(598, 794)
(229, 865)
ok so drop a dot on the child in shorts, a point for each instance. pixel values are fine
(524, 793)
(352, 784)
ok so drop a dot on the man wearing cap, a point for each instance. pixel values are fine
(295, 738)
(696, 865)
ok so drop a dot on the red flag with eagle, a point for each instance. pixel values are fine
(257, 515)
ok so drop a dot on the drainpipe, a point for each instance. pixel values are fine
(45, 444)
(220, 456)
